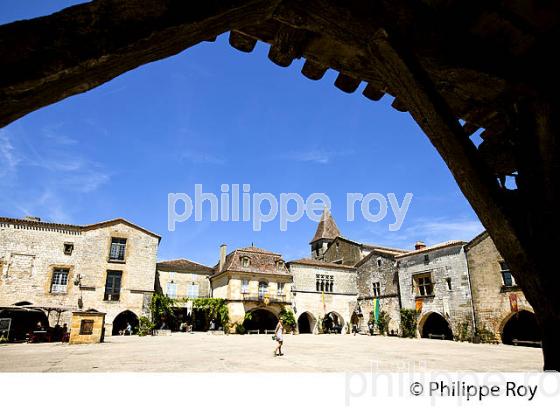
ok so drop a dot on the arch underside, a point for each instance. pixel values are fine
(441, 61)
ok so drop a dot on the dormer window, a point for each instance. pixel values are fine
(280, 265)
(245, 261)
(68, 248)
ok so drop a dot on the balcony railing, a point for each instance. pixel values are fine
(260, 297)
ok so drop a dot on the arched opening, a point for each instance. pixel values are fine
(24, 321)
(333, 323)
(261, 320)
(122, 320)
(436, 327)
(306, 323)
(522, 329)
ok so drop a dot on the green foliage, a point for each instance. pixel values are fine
(409, 322)
(463, 333)
(383, 322)
(240, 329)
(248, 316)
(217, 310)
(320, 328)
(145, 326)
(485, 335)
(3, 339)
(288, 318)
(161, 308)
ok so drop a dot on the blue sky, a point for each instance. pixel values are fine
(213, 115)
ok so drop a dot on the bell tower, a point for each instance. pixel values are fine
(327, 231)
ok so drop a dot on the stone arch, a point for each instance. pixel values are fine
(262, 319)
(434, 325)
(333, 322)
(120, 322)
(306, 323)
(520, 328)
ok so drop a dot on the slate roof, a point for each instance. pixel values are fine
(327, 228)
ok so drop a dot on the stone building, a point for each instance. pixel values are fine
(324, 295)
(501, 310)
(108, 266)
(346, 252)
(435, 281)
(378, 278)
(184, 280)
(254, 281)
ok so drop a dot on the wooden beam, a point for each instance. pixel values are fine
(347, 83)
(374, 91)
(313, 71)
(287, 46)
(241, 42)
(50, 58)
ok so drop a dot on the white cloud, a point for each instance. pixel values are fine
(317, 156)
(430, 231)
(9, 158)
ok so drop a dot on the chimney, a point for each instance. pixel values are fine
(32, 218)
(223, 250)
(419, 245)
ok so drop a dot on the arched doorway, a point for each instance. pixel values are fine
(333, 323)
(24, 321)
(306, 323)
(434, 326)
(122, 320)
(521, 328)
(260, 319)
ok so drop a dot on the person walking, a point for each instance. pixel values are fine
(279, 337)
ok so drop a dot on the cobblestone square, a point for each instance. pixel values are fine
(202, 352)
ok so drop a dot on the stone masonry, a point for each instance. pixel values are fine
(31, 251)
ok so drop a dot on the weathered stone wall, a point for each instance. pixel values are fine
(379, 267)
(344, 252)
(490, 297)
(307, 299)
(30, 254)
(444, 263)
(183, 280)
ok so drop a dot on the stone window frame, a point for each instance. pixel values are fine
(245, 289)
(245, 261)
(172, 295)
(280, 264)
(280, 288)
(324, 283)
(125, 250)
(190, 287)
(61, 285)
(105, 299)
(376, 289)
(503, 269)
(48, 283)
(420, 285)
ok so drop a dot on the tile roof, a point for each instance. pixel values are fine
(261, 262)
(432, 248)
(185, 266)
(327, 228)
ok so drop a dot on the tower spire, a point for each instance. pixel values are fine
(326, 232)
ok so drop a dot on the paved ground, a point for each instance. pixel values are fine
(202, 352)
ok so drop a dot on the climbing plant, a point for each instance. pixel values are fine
(409, 322)
(288, 318)
(217, 310)
(145, 326)
(383, 322)
(161, 308)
